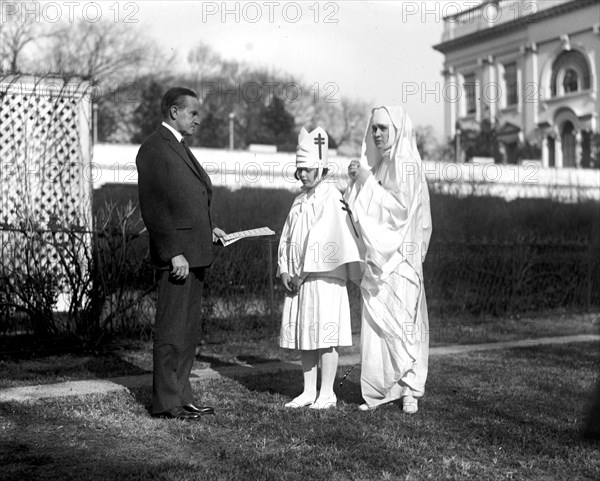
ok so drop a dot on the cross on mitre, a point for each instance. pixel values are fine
(320, 141)
(312, 148)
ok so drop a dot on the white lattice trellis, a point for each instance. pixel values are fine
(45, 151)
(45, 166)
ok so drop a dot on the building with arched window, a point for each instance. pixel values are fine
(531, 67)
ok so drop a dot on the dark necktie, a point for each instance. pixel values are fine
(190, 155)
(193, 160)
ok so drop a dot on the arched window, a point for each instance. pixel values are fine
(570, 73)
(571, 81)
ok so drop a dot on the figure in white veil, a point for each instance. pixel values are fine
(389, 199)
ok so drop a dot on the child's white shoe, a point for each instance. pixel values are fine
(324, 403)
(300, 402)
(366, 407)
(410, 404)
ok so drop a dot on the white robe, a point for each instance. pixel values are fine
(393, 214)
(318, 244)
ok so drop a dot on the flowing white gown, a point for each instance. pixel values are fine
(393, 213)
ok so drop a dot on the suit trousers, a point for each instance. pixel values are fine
(176, 332)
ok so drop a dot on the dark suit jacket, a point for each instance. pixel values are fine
(175, 194)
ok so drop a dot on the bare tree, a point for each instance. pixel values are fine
(345, 120)
(115, 58)
(354, 122)
(19, 32)
(204, 62)
(98, 51)
(427, 142)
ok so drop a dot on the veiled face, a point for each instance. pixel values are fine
(381, 126)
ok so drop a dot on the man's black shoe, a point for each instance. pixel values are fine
(199, 410)
(178, 413)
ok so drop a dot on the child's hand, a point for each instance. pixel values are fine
(285, 280)
(296, 283)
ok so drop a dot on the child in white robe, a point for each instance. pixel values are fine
(318, 253)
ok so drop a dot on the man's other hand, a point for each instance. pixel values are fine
(179, 267)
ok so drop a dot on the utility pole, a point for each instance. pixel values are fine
(231, 125)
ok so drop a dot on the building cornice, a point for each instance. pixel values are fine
(501, 29)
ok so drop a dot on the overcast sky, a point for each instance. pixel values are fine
(380, 52)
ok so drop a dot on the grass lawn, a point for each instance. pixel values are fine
(514, 414)
(134, 358)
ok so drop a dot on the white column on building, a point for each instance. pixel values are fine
(578, 148)
(479, 81)
(535, 110)
(485, 93)
(545, 152)
(530, 89)
(449, 25)
(558, 152)
(451, 99)
(491, 91)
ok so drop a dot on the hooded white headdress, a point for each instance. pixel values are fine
(397, 167)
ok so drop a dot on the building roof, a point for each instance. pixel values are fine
(500, 29)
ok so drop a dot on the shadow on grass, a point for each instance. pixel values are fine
(286, 380)
(214, 362)
(511, 414)
(27, 368)
(531, 405)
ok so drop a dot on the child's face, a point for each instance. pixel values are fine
(307, 176)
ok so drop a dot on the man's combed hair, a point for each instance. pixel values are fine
(175, 96)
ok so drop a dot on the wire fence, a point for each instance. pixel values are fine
(492, 278)
(115, 292)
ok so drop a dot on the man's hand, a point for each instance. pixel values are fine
(219, 232)
(179, 267)
(285, 280)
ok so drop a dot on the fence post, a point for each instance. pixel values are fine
(589, 278)
(270, 276)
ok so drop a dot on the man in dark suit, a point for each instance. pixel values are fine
(175, 195)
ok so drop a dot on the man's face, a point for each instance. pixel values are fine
(187, 116)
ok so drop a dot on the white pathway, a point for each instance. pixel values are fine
(117, 384)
